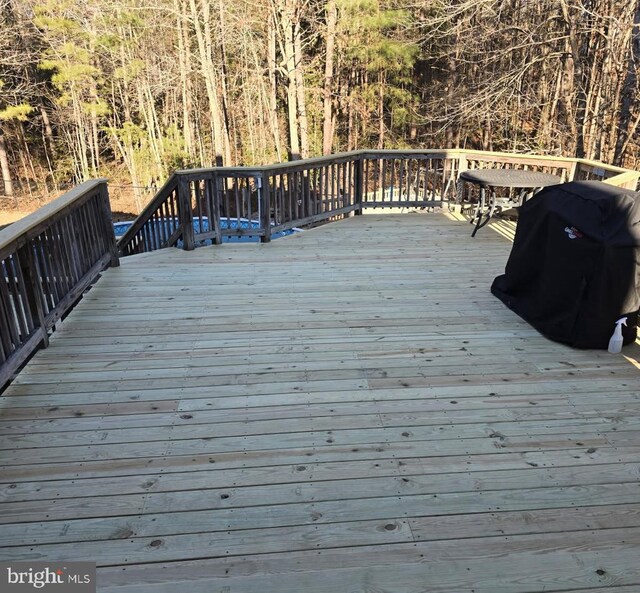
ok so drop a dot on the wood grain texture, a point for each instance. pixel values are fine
(346, 409)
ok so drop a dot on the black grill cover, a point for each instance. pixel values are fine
(574, 268)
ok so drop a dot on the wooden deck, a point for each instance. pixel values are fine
(345, 410)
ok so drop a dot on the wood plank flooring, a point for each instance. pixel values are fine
(344, 410)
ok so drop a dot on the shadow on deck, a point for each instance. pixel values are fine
(347, 409)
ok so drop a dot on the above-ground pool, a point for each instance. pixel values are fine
(121, 228)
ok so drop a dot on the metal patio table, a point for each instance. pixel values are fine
(490, 179)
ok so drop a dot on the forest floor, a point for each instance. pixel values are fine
(123, 206)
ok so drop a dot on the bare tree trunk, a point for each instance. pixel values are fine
(184, 61)
(273, 85)
(46, 125)
(629, 95)
(224, 95)
(302, 104)
(327, 127)
(82, 165)
(208, 72)
(4, 167)
(286, 16)
(351, 129)
(381, 127)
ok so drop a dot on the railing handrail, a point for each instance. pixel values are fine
(626, 178)
(365, 178)
(169, 185)
(374, 152)
(47, 260)
(21, 228)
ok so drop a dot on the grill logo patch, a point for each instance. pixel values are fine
(573, 232)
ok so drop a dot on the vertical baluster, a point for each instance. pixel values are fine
(22, 290)
(288, 216)
(206, 197)
(172, 203)
(336, 188)
(7, 339)
(197, 187)
(98, 227)
(214, 206)
(145, 237)
(319, 195)
(21, 314)
(74, 240)
(54, 267)
(330, 189)
(33, 288)
(64, 274)
(253, 212)
(242, 193)
(75, 223)
(280, 205)
(329, 184)
(305, 206)
(431, 175)
(41, 265)
(205, 205)
(277, 196)
(359, 183)
(165, 214)
(336, 193)
(348, 196)
(365, 182)
(86, 238)
(67, 241)
(165, 224)
(157, 228)
(311, 192)
(236, 199)
(345, 190)
(320, 198)
(326, 191)
(7, 314)
(225, 192)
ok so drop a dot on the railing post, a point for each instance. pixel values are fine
(573, 170)
(186, 214)
(462, 167)
(107, 218)
(359, 184)
(215, 210)
(265, 200)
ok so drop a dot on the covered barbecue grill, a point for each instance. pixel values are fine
(574, 268)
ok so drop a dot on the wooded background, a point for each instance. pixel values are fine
(133, 89)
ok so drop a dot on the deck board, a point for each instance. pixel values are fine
(347, 409)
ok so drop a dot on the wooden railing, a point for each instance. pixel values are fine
(159, 225)
(47, 260)
(201, 205)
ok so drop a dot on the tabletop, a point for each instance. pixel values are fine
(509, 178)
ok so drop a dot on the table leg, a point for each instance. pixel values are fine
(479, 208)
(482, 205)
